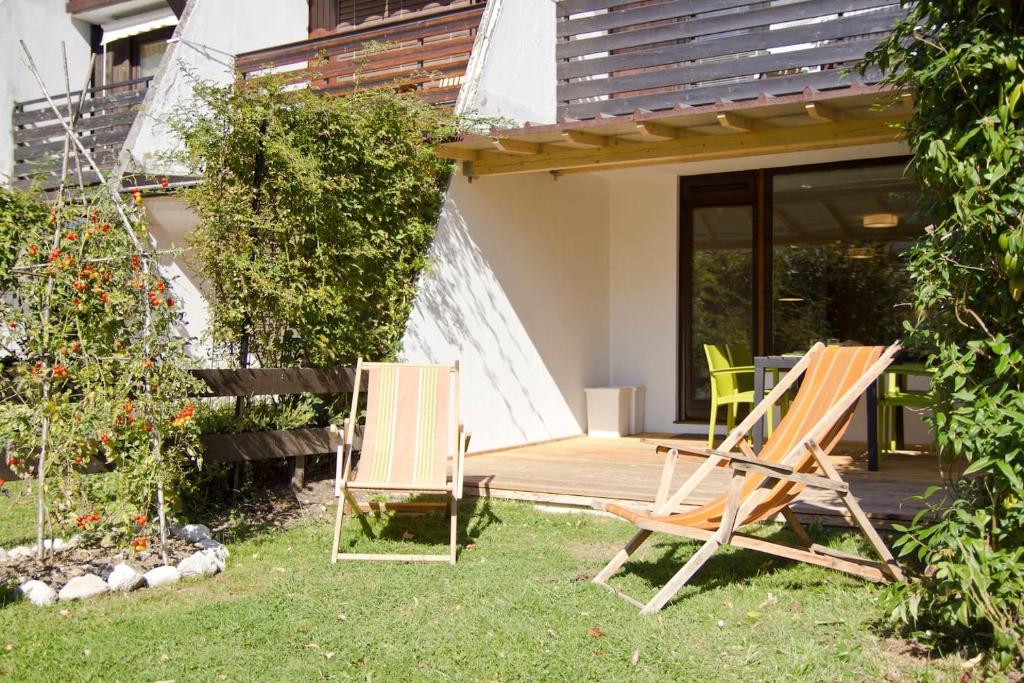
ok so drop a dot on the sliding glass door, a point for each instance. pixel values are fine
(771, 261)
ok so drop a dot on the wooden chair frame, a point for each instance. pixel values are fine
(342, 442)
(737, 509)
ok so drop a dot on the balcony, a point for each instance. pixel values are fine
(619, 56)
(427, 52)
(106, 116)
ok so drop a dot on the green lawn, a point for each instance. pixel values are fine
(518, 606)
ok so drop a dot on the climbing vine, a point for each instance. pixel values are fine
(963, 62)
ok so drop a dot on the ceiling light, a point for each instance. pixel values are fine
(860, 252)
(791, 299)
(881, 220)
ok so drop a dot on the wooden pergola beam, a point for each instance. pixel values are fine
(735, 122)
(582, 139)
(659, 131)
(692, 148)
(512, 146)
(823, 112)
(458, 153)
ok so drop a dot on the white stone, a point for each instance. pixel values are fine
(124, 578)
(54, 544)
(21, 551)
(3, 555)
(83, 587)
(38, 593)
(193, 533)
(74, 540)
(162, 576)
(198, 564)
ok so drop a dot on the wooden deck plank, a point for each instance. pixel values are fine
(576, 471)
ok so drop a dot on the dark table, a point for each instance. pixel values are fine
(764, 363)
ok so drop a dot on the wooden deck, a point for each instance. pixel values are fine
(579, 470)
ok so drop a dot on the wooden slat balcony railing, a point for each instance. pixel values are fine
(107, 115)
(428, 52)
(617, 56)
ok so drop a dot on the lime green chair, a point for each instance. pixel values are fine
(732, 384)
(892, 394)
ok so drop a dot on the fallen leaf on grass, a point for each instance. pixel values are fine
(973, 661)
(279, 569)
(64, 613)
(342, 616)
(551, 632)
(727, 604)
(595, 632)
(223, 677)
(9, 646)
(328, 655)
(86, 652)
(406, 536)
(770, 600)
(165, 658)
(312, 646)
(635, 659)
(754, 614)
(598, 652)
(471, 546)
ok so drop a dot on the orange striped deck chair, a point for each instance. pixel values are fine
(411, 432)
(794, 459)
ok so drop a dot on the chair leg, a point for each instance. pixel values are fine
(622, 556)
(339, 520)
(730, 417)
(669, 590)
(453, 506)
(711, 425)
(723, 536)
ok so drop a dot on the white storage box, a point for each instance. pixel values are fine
(615, 411)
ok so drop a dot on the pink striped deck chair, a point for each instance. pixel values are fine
(411, 431)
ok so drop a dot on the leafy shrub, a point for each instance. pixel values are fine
(964, 64)
(315, 216)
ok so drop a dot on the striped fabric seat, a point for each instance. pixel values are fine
(407, 431)
(411, 431)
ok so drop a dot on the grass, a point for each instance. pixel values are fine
(518, 606)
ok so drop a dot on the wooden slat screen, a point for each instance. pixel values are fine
(107, 115)
(427, 51)
(617, 56)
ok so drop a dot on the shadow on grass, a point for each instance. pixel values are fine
(475, 515)
(727, 567)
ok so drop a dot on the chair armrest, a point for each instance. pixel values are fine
(738, 370)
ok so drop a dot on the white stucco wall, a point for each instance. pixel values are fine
(209, 35)
(42, 24)
(518, 293)
(512, 71)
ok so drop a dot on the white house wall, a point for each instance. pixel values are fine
(209, 35)
(518, 293)
(42, 24)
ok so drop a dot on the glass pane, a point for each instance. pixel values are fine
(837, 266)
(722, 288)
(150, 55)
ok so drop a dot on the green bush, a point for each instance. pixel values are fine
(315, 213)
(964, 63)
